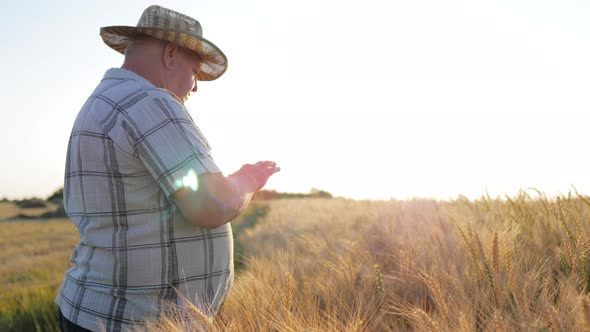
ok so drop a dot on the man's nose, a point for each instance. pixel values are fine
(194, 89)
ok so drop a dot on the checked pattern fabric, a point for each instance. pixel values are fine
(132, 146)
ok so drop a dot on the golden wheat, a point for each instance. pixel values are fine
(343, 265)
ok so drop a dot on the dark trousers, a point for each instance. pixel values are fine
(67, 326)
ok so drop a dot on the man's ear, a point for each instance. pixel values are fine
(171, 52)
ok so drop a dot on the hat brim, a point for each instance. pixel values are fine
(214, 62)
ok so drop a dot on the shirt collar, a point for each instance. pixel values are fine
(124, 74)
(120, 73)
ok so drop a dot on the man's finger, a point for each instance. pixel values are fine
(272, 171)
(266, 164)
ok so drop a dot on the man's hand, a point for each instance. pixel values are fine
(257, 174)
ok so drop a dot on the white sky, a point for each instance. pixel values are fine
(365, 99)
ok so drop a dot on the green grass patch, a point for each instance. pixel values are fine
(247, 220)
(31, 310)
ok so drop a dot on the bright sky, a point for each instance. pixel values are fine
(365, 99)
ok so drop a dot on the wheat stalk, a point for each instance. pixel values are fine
(586, 313)
(422, 316)
(508, 259)
(201, 317)
(495, 254)
(438, 296)
(498, 323)
(496, 265)
(561, 217)
(379, 280)
(570, 255)
(554, 315)
(484, 262)
(288, 299)
(470, 247)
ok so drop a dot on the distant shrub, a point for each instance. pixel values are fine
(56, 198)
(57, 195)
(32, 203)
(59, 213)
(319, 193)
(24, 216)
(265, 195)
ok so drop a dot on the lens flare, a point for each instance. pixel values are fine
(189, 181)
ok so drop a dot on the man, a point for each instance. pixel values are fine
(151, 206)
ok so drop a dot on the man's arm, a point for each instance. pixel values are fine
(220, 199)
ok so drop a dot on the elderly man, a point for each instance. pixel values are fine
(151, 205)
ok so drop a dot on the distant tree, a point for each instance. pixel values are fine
(32, 203)
(59, 213)
(57, 195)
(265, 195)
(319, 193)
(56, 198)
(292, 195)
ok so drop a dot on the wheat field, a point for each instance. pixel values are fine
(510, 264)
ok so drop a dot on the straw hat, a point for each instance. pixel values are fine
(166, 24)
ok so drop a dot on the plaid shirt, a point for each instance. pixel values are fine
(132, 146)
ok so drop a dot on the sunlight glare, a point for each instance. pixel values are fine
(189, 181)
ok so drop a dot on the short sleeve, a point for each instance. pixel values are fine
(169, 144)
